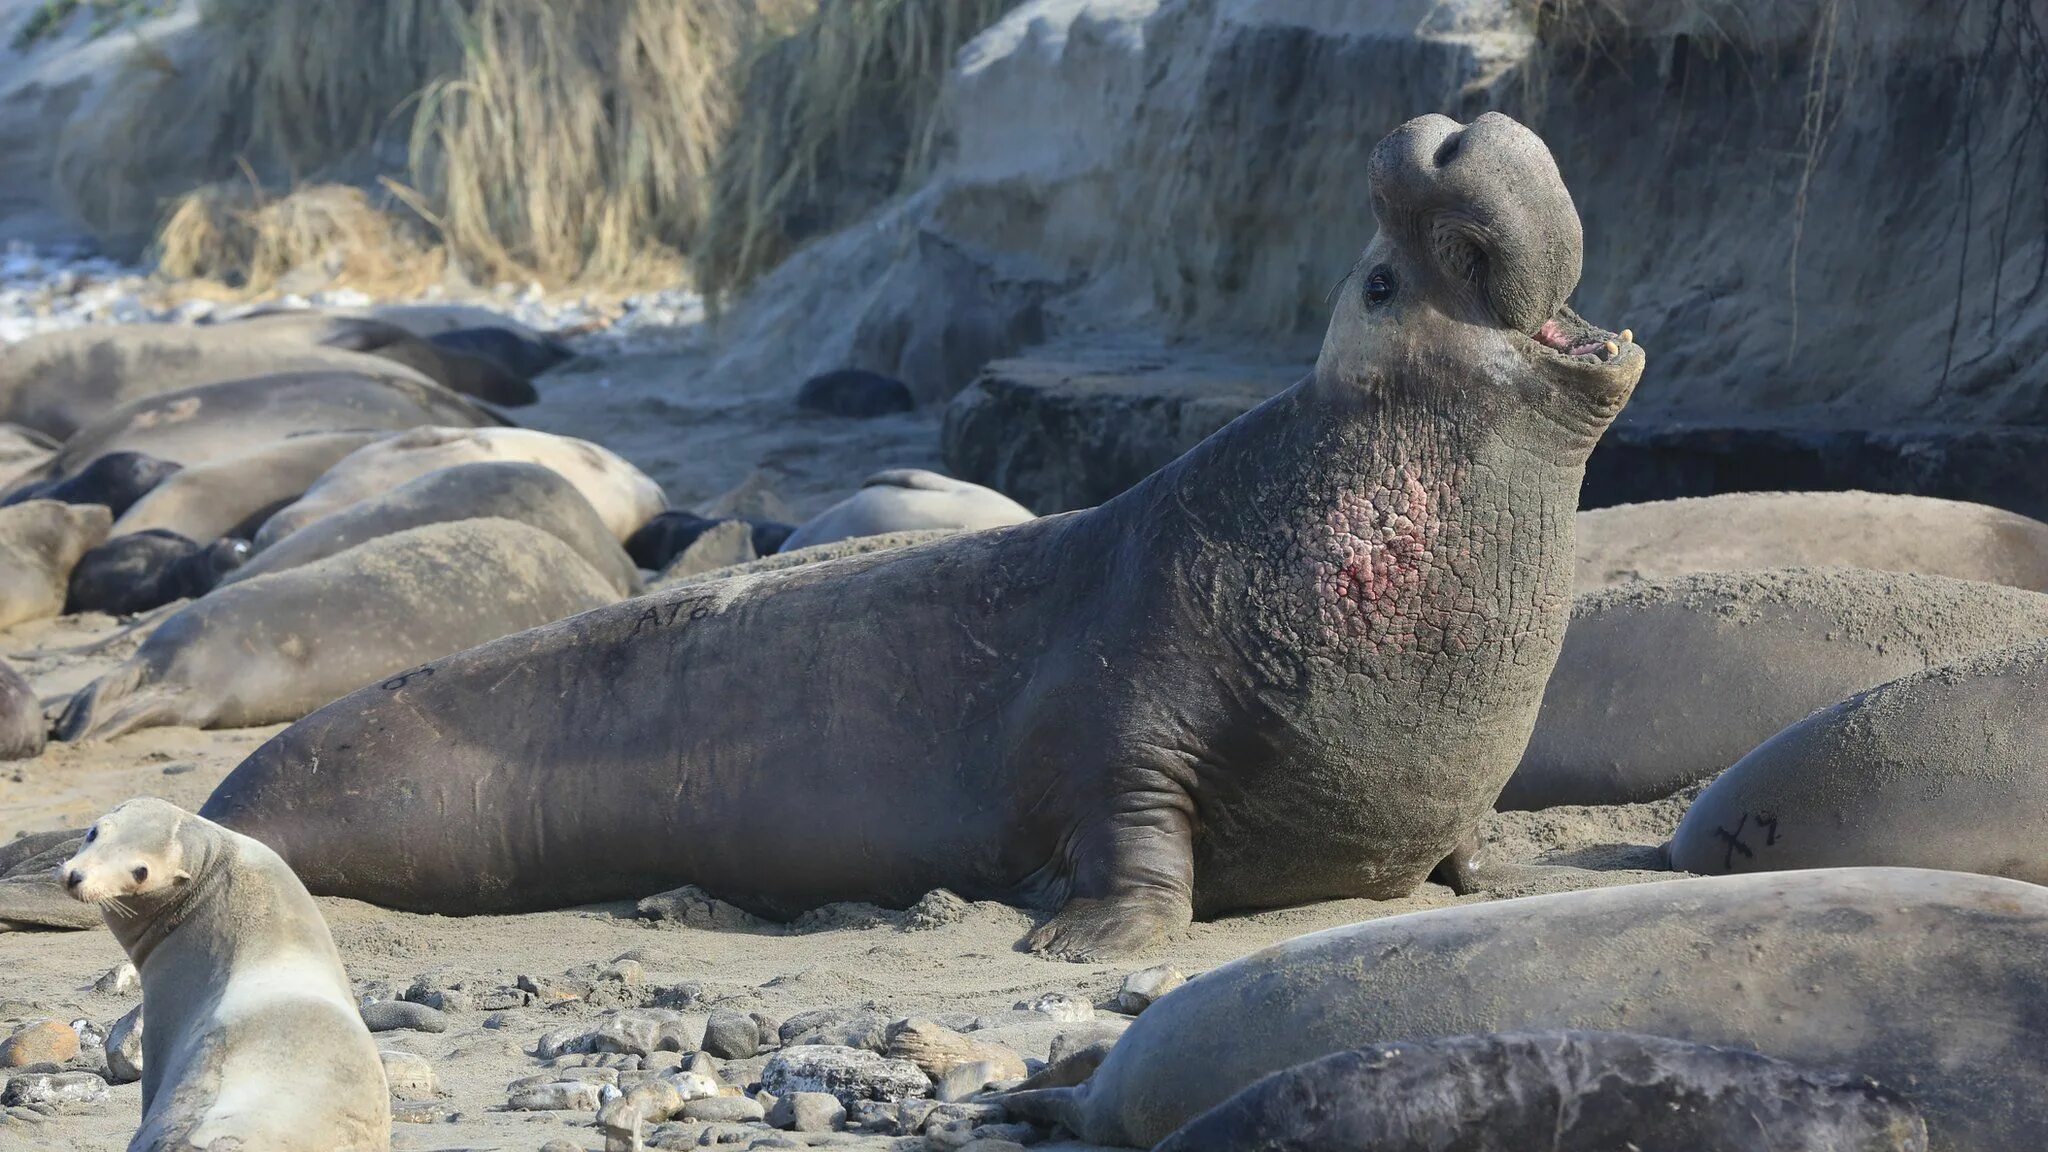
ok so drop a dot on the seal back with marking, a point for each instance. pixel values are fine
(1295, 664)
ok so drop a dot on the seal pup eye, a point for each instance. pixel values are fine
(141, 873)
(1379, 285)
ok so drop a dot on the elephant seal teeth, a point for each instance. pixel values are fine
(1613, 349)
(1628, 335)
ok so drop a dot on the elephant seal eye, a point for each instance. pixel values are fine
(1379, 285)
(92, 834)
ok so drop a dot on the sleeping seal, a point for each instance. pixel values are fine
(1666, 682)
(511, 490)
(22, 730)
(114, 481)
(253, 1039)
(234, 495)
(907, 500)
(144, 570)
(1558, 1091)
(1325, 629)
(40, 543)
(449, 365)
(1933, 983)
(1740, 530)
(278, 647)
(623, 495)
(1940, 768)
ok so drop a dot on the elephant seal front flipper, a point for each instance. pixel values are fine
(253, 1040)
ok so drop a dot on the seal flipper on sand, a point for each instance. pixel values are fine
(111, 706)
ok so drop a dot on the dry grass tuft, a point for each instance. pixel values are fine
(239, 241)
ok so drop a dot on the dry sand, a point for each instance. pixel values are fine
(698, 441)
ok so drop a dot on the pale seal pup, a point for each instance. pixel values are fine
(1665, 683)
(1557, 1091)
(252, 1038)
(40, 543)
(1941, 768)
(508, 489)
(1294, 665)
(908, 500)
(22, 730)
(234, 495)
(215, 421)
(277, 647)
(1742, 530)
(624, 497)
(1931, 983)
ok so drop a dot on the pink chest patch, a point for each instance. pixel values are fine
(1372, 560)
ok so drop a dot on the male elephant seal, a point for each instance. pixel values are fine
(134, 573)
(278, 647)
(1742, 530)
(1933, 983)
(40, 543)
(22, 730)
(114, 481)
(624, 497)
(1560, 1091)
(1941, 768)
(216, 421)
(1668, 682)
(253, 1039)
(234, 495)
(1296, 664)
(906, 500)
(510, 490)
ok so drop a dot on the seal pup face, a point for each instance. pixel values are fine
(1459, 300)
(132, 853)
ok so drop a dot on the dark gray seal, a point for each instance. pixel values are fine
(22, 730)
(1933, 983)
(114, 481)
(511, 490)
(659, 541)
(1558, 1091)
(144, 570)
(1941, 768)
(450, 365)
(1665, 683)
(278, 647)
(854, 393)
(518, 354)
(1296, 664)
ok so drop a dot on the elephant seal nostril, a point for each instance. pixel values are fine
(1448, 150)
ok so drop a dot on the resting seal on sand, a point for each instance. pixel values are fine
(114, 481)
(130, 574)
(1930, 982)
(1295, 664)
(907, 500)
(22, 730)
(1667, 682)
(1742, 530)
(278, 647)
(40, 543)
(1558, 1091)
(1938, 769)
(253, 1039)
(234, 495)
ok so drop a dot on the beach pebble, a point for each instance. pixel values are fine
(724, 1110)
(631, 1031)
(62, 1091)
(625, 971)
(561, 1146)
(808, 1112)
(124, 1048)
(119, 980)
(868, 1030)
(44, 1042)
(937, 1050)
(771, 1029)
(558, 1096)
(731, 1036)
(1060, 1007)
(393, 1015)
(566, 1075)
(847, 1073)
(692, 1085)
(1142, 988)
(809, 1020)
(409, 1075)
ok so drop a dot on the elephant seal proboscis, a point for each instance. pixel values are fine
(510, 490)
(1560, 1091)
(906, 500)
(1325, 629)
(234, 495)
(22, 730)
(145, 570)
(1744, 530)
(40, 543)
(215, 421)
(278, 647)
(252, 1039)
(1665, 683)
(1931, 983)
(1941, 768)
(623, 495)
(114, 481)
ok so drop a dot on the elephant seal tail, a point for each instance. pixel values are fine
(112, 705)
(1047, 1106)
